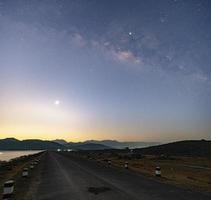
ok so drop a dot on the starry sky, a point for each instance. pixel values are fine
(105, 69)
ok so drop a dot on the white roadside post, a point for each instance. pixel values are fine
(8, 189)
(25, 173)
(157, 171)
(126, 165)
(35, 162)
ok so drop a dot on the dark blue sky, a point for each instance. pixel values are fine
(128, 70)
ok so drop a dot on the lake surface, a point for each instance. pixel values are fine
(8, 155)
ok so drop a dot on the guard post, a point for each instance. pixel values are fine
(157, 171)
(8, 189)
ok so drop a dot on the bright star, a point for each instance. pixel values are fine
(57, 102)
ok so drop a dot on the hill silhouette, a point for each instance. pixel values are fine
(109, 143)
(14, 144)
(92, 146)
(180, 148)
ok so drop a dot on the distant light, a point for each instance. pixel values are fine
(130, 33)
(57, 102)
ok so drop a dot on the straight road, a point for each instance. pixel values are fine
(65, 178)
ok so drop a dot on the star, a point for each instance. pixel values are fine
(162, 20)
(57, 102)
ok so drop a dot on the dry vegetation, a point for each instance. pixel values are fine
(189, 172)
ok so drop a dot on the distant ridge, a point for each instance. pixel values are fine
(60, 141)
(14, 144)
(121, 145)
(109, 143)
(92, 146)
(180, 148)
(34, 144)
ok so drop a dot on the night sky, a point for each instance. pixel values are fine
(105, 69)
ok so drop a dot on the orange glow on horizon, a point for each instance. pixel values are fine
(49, 122)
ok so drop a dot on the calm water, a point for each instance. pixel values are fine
(8, 155)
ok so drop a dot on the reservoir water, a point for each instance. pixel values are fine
(8, 155)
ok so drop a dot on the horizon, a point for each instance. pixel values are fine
(98, 140)
(126, 70)
(76, 141)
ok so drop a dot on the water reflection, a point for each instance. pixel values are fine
(8, 155)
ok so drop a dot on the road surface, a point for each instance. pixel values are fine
(65, 178)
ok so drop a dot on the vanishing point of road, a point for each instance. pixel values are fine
(72, 178)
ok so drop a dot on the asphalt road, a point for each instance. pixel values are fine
(65, 178)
